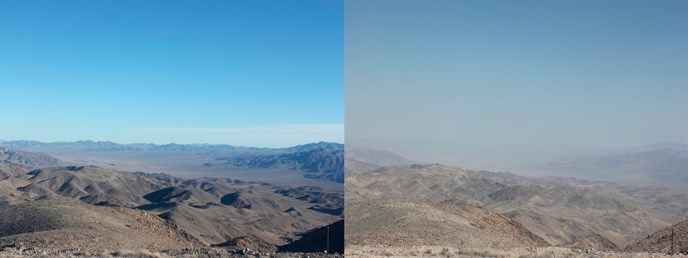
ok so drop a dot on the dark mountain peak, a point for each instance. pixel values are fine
(235, 200)
(167, 194)
(318, 163)
(332, 146)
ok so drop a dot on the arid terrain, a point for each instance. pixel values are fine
(318, 164)
(53, 207)
(400, 210)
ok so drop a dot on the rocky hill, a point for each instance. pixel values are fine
(563, 212)
(411, 222)
(315, 241)
(220, 211)
(90, 184)
(660, 241)
(55, 224)
(29, 159)
(10, 169)
(331, 146)
(316, 163)
(592, 242)
(211, 211)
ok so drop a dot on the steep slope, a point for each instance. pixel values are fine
(317, 163)
(9, 193)
(226, 212)
(10, 169)
(559, 211)
(331, 146)
(90, 184)
(660, 241)
(28, 159)
(214, 211)
(324, 201)
(316, 240)
(54, 224)
(410, 222)
(592, 241)
(436, 183)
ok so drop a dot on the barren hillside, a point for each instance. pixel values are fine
(409, 222)
(29, 159)
(223, 212)
(56, 224)
(660, 241)
(563, 212)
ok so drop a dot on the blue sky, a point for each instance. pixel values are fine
(442, 78)
(256, 73)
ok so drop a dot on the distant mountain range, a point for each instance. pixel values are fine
(659, 163)
(378, 158)
(322, 160)
(108, 146)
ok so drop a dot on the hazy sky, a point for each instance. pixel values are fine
(256, 73)
(438, 76)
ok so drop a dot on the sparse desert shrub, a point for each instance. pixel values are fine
(132, 253)
(470, 253)
(444, 251)
(428, 251)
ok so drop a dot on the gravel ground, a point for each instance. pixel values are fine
(186, 253)
(445, 251)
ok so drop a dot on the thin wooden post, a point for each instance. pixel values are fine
(328, 240)
(672, 241)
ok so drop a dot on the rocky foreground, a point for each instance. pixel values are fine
(446, 251)
(205, 252)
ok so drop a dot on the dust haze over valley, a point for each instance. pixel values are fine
(516, 129)
(661, 164)
(403, 208)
